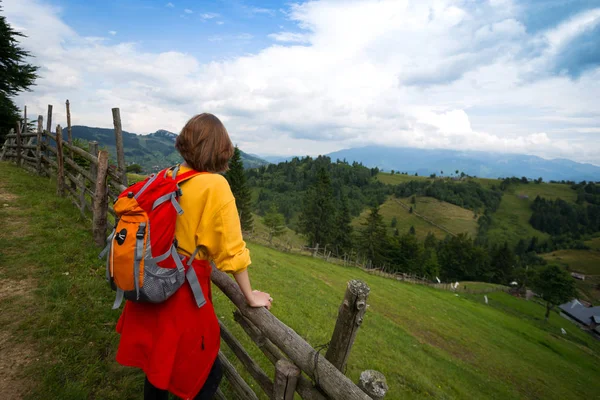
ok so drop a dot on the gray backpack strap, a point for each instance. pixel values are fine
(108, 243)
(192, 279)
(118, 299)
(139, 254)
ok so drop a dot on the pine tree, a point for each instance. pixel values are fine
(318, 214)
(373, 240)
(275, 222)
(237, 180)
(342, 241)
(15, 75)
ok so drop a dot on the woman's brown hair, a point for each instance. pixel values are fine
(204, 144)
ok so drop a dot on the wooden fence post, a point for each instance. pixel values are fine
(18, 127)
(60, 162)
(48, 128)
(25, 127)
(122, 169)
(373, 383)
(69, 133)
(286, 378)
(93, 151)
(349, 319)
(101, 200)
(81, 188)
(38, 144)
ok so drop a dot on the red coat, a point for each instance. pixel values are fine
(175, 343)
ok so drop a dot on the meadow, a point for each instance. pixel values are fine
(428, 342)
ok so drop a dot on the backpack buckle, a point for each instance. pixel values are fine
(140, 232)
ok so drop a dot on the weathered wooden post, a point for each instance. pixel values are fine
(122, 169)
(18, 127)
(373, 383)
(38, 144)
(48, 128)
(93, 151)
(286, 379)
(69, 134)
(316, 252)
(349, 319)
(60, 162)
(25, 127)
(100, 200)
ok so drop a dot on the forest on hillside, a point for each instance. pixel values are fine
(318, 198)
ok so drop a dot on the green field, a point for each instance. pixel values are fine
(453, 218)
(511, 221)
(429, 343)
(397, 179)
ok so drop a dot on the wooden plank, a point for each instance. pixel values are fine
(79, 169)
(81, 152)
(60, 161)
(304, 387)
(251, 366)
(350, 317)
(286, 378)
(238, 384)
(330, 379)
(122, 168)
(219, 395)
(100, 201)
(22, 146)
(38, 144)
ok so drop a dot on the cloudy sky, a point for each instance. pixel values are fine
(313, 77)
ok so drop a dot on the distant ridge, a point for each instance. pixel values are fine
(153, 151)
(474, 163)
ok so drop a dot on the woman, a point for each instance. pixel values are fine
(176, 343)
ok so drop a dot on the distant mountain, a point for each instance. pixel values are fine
(153, 151)
(474, 163)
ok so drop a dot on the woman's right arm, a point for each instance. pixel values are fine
(254, 298)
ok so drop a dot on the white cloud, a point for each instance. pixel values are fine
(436, 74)
(220, 22)
(112, 33)
(206, 16)
(259, 10)
(291, 37)
(170, 5)
(188, 11)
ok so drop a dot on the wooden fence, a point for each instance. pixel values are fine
(86, 178)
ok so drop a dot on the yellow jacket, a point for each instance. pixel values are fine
(210, 220)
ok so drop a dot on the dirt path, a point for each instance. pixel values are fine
(16, 297)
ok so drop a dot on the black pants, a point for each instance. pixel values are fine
(206, 393)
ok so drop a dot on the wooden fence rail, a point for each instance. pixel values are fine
(297, 366)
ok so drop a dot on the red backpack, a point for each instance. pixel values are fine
(142, 262)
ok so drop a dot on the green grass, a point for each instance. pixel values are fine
(261, 233)
(511, 221)
(454, 218)
(397, 179)
(428, 342)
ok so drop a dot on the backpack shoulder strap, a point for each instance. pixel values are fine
(187, 175)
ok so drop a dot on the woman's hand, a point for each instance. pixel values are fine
(260, 299)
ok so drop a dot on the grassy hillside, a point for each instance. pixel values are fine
(454, 218)
(428, 343)
(153, 151)
(511, 222)
(396, 179)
